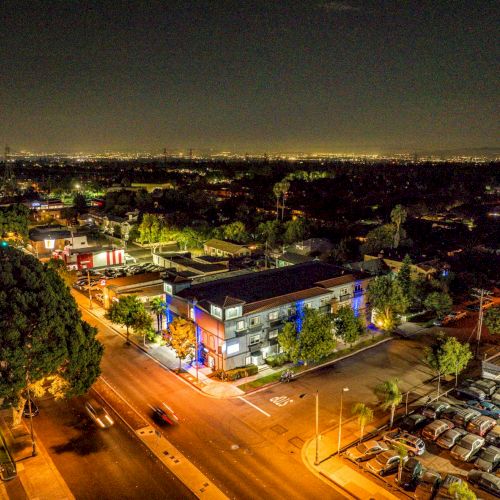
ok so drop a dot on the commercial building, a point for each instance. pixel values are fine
(238, 318)
(43, 240)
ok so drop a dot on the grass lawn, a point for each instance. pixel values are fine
(259, 382)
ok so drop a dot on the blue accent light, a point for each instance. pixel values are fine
(199, 354)
(299, 315)
(168, 313)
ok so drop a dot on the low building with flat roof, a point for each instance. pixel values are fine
(222, 248)
(238, 318)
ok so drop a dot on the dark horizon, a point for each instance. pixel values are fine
(320, 76)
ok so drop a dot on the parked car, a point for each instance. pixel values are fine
(410, 473)
(98, 414)
(493, 437)
(495, 398)
(413, 422)
(463, 416)
(433, 430)
(467, 447)
(444, 487)
(366, 450)
(485, 481)
(413, 444)
(485, 408)
(385, 463)
(489, 387)
(450, 438)
(481, 425)
(488, 459)
(34, 409)
(433, 410)
(428, 485)
(469, 392)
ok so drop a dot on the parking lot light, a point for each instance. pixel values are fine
(344, 389)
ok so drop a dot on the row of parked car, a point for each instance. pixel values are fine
(469, 429)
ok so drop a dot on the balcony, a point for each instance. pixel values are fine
(345, 297)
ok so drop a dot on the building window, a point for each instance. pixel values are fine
(358, 288)
(273, 334)
(232, 312)
(308, 305)
(216, 311)
(343, 291)
(255, 321)
(167, 288)
(273, 315)
(232, 349)
(325, 301)
(240, 325)
(254, 339)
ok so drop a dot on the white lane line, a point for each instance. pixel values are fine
(254, 406)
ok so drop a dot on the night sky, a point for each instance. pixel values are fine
(275, 75)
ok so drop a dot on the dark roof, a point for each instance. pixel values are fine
(294, 258)
(41, 233)
(263, 285)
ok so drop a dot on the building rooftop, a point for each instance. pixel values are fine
(224, 246)
(263, 285)
(55, 232)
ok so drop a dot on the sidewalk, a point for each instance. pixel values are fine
(167, 358)
(38, 475)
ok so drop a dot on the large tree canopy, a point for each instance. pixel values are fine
(41, 331)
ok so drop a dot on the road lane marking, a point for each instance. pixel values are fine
(254, 406)
(281, 400)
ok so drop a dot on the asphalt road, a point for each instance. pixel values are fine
(101, 463)
(251, 447)
(228, 440)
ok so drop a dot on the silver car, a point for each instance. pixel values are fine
(450, 438)
(467, 447)
(385, 463)
(488, 459)
(366, 451)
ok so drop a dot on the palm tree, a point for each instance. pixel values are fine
(285, 186)
(398, 216)
(277, 193)
(158, 307)
(365, 416)
(391, 396)
(403, 453)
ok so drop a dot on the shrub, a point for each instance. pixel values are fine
(275, 360)
(236, 373)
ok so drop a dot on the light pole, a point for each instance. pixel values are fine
(344, 389)
(28, 367)
(316, 420)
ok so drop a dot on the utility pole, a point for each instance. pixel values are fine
(480, 293)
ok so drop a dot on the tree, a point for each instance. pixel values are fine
(315, 337)
(129, 312)
(285, 186)
(404, 278)
(402, 454)
(80, 203)
(277, 194)
(236, 231)
(158, 307)
(346, 325)
(364, 415)
(182, 338)
(439, 302)
(287, 339)
(460, 490)
(398, 217)
(43, 338)
(60, 267)
(457, 354)
(14, 222)
(388, 301)
(437, 359)
(271, 232)
(390, 395)
(295, 230)
(492, 320)
(377, 239)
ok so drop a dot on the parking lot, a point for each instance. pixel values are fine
(436, 457)
(97, 278)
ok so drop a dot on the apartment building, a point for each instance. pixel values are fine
(238, 318)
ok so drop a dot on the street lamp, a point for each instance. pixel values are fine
(316, 455)
(344, 389)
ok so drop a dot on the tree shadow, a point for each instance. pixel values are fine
(87, 442)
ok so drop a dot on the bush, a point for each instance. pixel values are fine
(275, 360)
(236, 373)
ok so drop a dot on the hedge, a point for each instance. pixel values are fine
(277, 359)
(236, 373)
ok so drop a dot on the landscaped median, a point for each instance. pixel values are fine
(298, 370)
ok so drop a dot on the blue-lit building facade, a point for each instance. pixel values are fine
(238, 318)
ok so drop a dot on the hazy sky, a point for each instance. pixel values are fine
(248, 75)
